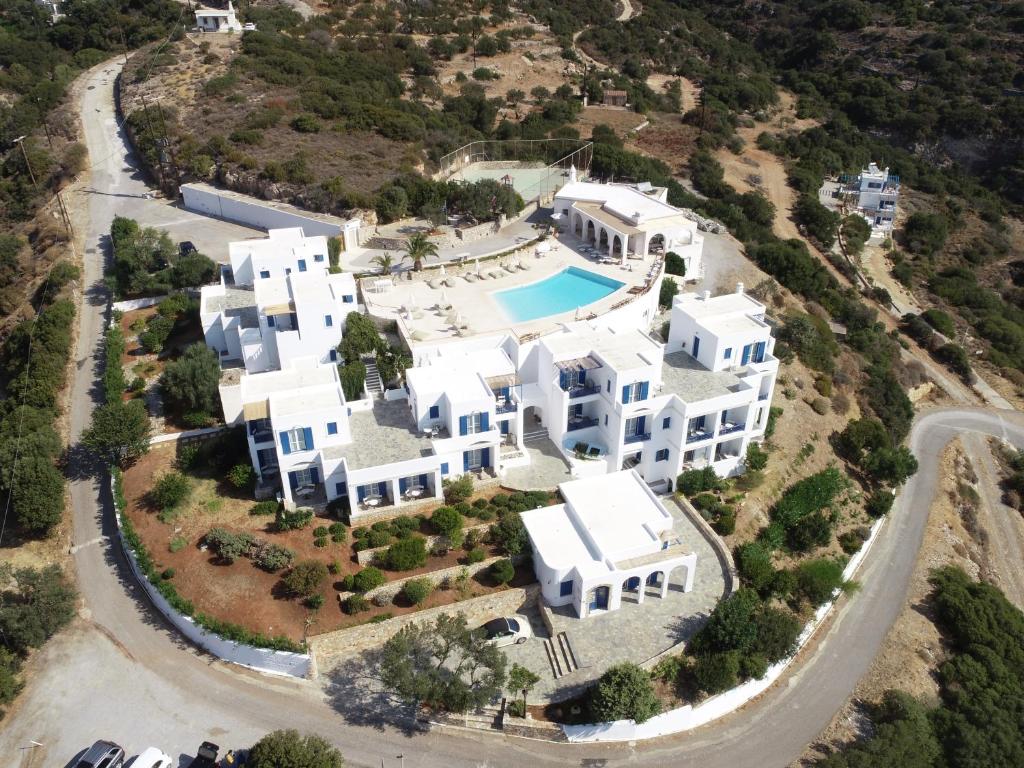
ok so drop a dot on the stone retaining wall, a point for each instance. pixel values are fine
(392, 588)
(348, 642)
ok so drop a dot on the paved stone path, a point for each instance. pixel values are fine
(547, 468)
(634, 632)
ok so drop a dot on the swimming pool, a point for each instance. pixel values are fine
(562, 292)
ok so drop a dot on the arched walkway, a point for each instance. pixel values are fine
(617, 245)
(591, 232)
(602, 240)
(577, 225)
(656, 244)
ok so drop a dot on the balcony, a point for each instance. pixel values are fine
(630, 439)
(696, 437)
(728, 428)
(581, 422)
(505, 406)
(581, 390)
(263, 436)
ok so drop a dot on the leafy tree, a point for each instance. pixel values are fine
(521, 681)
(819, 221)
(10, 685)
(925, 233)
(502, 571)
(406, 554)
(674, 264)
(717, 672)
(193, 270)
(367, 579)
(446, 521)
(34, 604)
(171, 490)
(384, 262)
(510, 534)
(669, 289)
(444, 665)
(192, 381)
(818, 579)
(290, 749)
(856, 231)
(229, 546)
(694, 481)
(416, 591)
(353, 379)
(119, 432)
(305, 578)
(757, 458)
(624, 692)
(37, 494)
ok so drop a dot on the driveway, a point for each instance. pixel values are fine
(121, 673)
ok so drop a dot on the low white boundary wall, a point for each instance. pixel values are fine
(266, 660)
(689, 717)
(129, 304)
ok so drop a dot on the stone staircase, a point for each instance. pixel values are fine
(560, 655)
(374, 386)
(535, 435)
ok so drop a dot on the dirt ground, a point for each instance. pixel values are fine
(241, 592)
(913, 649)
(622, 121)
(667, 138)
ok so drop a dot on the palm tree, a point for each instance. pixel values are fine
(417, 248)
(385, 262)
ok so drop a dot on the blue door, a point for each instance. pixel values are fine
(599, 601)
(696, 345)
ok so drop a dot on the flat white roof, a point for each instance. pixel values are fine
(623, 200)
(553, 533)
(259, 386)
(695, 305)
(314, 285)
(486, 362)
(622, 350)
(459, 385)
(290, 240)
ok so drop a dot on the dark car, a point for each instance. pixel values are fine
(186, 247)
(206, 757)
(102, 754)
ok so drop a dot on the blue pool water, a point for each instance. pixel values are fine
(562, 292)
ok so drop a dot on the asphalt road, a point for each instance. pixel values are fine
(121, 673)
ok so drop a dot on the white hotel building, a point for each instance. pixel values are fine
(608, 399)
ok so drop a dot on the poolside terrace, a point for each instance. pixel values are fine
(457, 300)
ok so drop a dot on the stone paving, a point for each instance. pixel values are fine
(547, 468)
(634, 632)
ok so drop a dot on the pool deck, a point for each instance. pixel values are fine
(480, 312)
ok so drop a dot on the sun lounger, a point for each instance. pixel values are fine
(470, 278)
(435, 284)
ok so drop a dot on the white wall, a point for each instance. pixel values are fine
(254, 212)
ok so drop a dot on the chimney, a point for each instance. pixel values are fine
(739, 287)
(706, 296)
(572, 174)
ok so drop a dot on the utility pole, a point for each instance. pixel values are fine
(20, 141)
(152, 132)
(124, 44)
(170, 147)
(46, 127)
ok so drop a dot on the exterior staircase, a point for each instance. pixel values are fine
(535, 435)
(374, 386)
(560, 655)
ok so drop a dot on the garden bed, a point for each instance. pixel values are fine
(242, 593)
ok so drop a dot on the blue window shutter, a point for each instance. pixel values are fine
(625, 394)
(264, 273)
(340, 489)
(361, 492)
(465, 461)
(302, 265)
(270, 321)
(314, 475)
(328, 321)
(728, 353)
(318, 257)
(435, 411)
(485, 421)
(504, 427)
(444, 467)
(423, 480)
(667, 422)
(293, 480)
(485, 457)
(759, 352)
(286, 447)
(746, 355)
(641, 422)
(348, 299)
(505, 392)
(463, 425)
(332, 428)
(563, 380)
(309, 438)
(696, 345)
(333, 355)
(403, 484)
(644, 388)
(583, 377)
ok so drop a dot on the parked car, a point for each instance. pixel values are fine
(186, 247)
(206, 757)
(102, 754)
(511, 630)
(153, 758)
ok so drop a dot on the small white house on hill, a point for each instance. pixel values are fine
(611, 535)
(217, 19)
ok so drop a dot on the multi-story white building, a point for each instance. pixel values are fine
(628, 219)
(282, 252)
(217, 19)
(878, 193)
(268, 323)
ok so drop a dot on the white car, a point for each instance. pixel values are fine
(152, 758)
(511, 630)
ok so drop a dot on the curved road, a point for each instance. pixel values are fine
(121, 673)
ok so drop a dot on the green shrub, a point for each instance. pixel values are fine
(725, 525)
(242, 475)
(367, 579)
(940, 321)
(272, 557)
(321, 542)
(510, 534)
(477, 555)
(674, 264)
(314, 602)
(334, 567)
(816, 580)
(229, 546)
(377, 539)
(754, 564)
(502, 571)
(851, 541)
(695, 481)
(757, 458)
(305, 578)
(458, 489)
(292, 521)
(406, 554)
(416, 591)
(320, 532)
(177, 544)
(167, 574)
(188, 454)
(625, 692)
(354, 604)
(717, 672)
(337, 529)
(170, 491)
(306, 124)
(879, 503)
(268, 507)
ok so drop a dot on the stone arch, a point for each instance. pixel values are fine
(681, 578)
(656, 241)
(602, 238)
(653, 583)
(591, 236)
(631, 589)
(577, 225)
(617, 246)
(599, 597)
